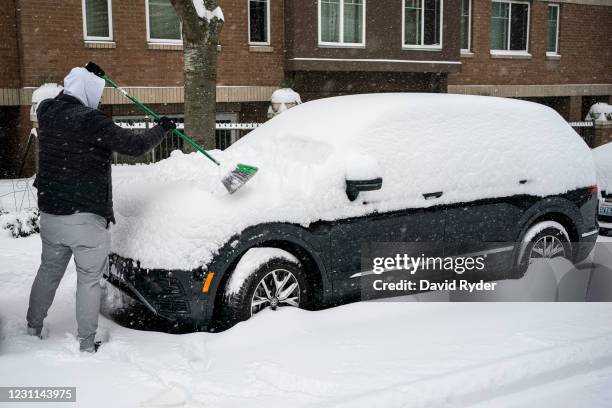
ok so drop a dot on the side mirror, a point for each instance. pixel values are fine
(353, 187)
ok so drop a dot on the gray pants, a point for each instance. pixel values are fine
(85, 236)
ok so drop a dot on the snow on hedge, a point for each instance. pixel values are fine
(600, 112)
(20, 223)
(46, 91)
(603, 161)
(177, 214)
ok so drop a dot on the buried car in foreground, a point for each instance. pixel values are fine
(433, 172)
(603, 161)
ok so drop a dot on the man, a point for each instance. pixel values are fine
(76, 143)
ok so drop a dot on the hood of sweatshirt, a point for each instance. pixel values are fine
(84, 86)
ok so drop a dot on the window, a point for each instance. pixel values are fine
(259, 22)
(163, 25)
(422, 24)
(342, 22)
(97, 20)
(552, 35)
(466, 25)
(509, 26)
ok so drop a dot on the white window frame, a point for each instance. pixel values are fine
(160, 40)
(268, 34)
(469, 32)
(556, 51)
(110, 23)
(422, 47)
(341, 43)
(508, 51)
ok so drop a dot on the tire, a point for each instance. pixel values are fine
(547, 239)
(251, 298)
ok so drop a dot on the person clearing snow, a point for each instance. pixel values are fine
(76, 143)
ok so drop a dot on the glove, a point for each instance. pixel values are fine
(166, 123)
(94, 69)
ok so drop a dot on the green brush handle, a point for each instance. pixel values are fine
(156, 116)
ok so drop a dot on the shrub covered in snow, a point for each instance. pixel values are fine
(283, 99)
(603, 161)
(45, 91)
(22, 223)
(600, 112)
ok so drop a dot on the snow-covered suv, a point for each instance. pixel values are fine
(337, 174)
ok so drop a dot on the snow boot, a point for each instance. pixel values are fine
(33, 331)
(89, 345)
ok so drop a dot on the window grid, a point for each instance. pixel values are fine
(419, 6)
(508, 29)
(110, 23)
(555, 10)
(341, 17)
(267, 22)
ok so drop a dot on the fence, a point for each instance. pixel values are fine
(226, 134)
(586, 130)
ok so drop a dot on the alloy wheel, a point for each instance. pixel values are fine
(547, 246)
(276, 289)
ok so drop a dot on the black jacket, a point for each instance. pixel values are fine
(74, 156)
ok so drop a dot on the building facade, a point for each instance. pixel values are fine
(556, 52)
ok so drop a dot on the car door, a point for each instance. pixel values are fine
(354, 242)
(487, 228)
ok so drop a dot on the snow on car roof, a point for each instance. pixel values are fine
(603, 161)
(175, 214)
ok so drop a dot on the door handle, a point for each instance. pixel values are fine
(431, 196)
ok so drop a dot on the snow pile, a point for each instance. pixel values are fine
(286, 95)
(600, 112)
(603, 161)
(46, 91)
(283, 99)
(359, 355)
(205, 13)
(177, 214)
(251, 261)
(20, 224)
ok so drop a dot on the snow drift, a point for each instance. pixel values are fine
(176, 214)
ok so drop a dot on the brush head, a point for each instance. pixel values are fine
(238, 177)
(95, 69)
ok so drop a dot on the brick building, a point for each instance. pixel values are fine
(561, 58)
(557, 52)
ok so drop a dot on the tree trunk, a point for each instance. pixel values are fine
(200, 93)
(200, 41)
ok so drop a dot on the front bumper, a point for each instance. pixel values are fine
(173, 295)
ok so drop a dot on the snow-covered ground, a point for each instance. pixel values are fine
(388, 354)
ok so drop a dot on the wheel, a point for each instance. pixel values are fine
(544, 240)
(275, 284)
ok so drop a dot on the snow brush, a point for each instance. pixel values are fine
(232, 181)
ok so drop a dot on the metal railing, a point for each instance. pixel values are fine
(226, 134)
(586, 130)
